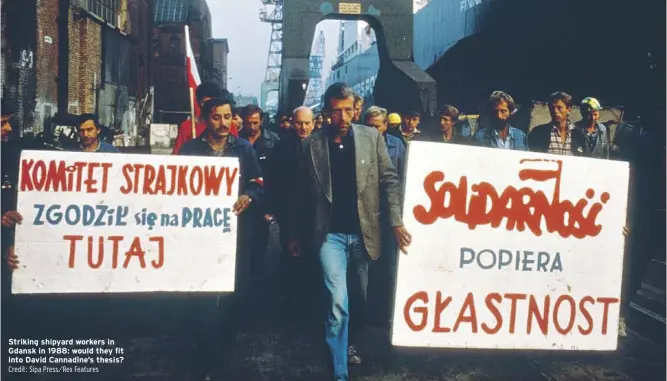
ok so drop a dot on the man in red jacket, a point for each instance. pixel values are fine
(205, 91)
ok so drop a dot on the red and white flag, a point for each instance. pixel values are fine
(191, 69)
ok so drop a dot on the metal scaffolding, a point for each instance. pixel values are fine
(315, 88)
(272, 12)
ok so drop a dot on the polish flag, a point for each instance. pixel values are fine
(191, 69)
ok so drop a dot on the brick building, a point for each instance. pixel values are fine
(109, 64)
(168, 69)
(75, 57)
(84, 71)
(215, 58)
(46, 63)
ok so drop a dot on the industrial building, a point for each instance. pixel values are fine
(357, 62)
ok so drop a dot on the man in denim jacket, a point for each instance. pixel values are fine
(499, 107)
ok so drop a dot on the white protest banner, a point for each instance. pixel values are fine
(512, 250)
(97, 222)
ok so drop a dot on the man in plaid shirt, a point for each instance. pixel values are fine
(555, 137)
(560, 137)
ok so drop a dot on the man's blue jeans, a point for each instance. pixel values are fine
(337, 252)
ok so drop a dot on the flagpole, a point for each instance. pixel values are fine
(192, 79)
(192, 112)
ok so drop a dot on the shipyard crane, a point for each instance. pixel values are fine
(272, 13)
(315, 88)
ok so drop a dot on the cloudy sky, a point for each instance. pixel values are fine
(248, 38)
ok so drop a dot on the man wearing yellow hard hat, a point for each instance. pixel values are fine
(394, 120)
(593, 136)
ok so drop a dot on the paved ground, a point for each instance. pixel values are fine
(151, 331)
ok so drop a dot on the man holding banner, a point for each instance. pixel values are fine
(217, 141)
(10, 217)
(205, 92)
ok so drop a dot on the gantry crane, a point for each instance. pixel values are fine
(272, 13)
(315, 87)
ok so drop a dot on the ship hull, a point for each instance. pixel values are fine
(531, 48)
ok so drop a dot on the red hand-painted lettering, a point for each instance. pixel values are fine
(557, 314)
(96, 257)
(523, 207)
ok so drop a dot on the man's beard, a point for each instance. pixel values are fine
(499, 124)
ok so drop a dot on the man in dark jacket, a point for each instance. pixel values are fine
(558, 136)
(10, 217)
(207, 311)
(384, 271)
(284, 126)
(449, 118)
(294, 271)
(344, 171)
(264, 142)
(11, 155)
(217, 140)
(205, 91)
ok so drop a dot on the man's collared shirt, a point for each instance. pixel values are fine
(515, 140)
(507, 143)
(402, 135)
(102, 147)
(591, 144)
(591, 137)
(408, 136)
(556, 145)
(250, 179)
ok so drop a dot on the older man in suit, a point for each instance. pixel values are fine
(344, 173)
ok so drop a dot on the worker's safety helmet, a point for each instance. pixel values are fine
(589, 104)
(394, 118)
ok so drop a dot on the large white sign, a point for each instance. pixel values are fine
(510, 250)
(96, 222)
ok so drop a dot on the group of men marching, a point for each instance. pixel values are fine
(332, 182)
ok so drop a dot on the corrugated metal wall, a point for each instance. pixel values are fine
(440, 24)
